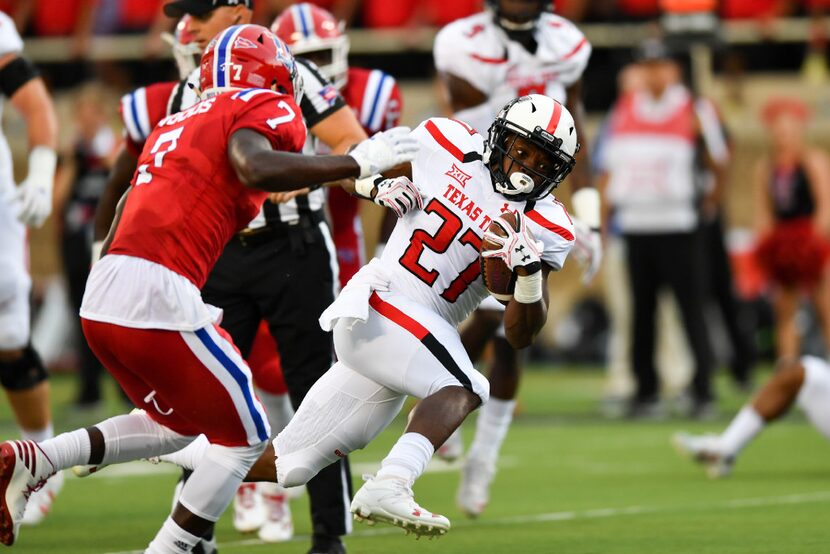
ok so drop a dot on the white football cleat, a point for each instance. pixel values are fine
(453, 447)
(474, 488)
(41, 501)
(278, 526)
(24, 469)
(705, 450)
(248, 511)
(390, 500)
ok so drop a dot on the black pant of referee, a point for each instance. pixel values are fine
(674, 260)
(284, 274)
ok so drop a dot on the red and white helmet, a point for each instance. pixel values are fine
(548, 125)
(312, 32)
(248, 56)
(186, 51)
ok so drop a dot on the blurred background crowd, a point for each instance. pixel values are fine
(760, 65)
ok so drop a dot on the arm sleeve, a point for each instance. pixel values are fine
(552, 225)
(320, 97)
(572, 50)
(274, 116)
(451, 54)
(141, 110)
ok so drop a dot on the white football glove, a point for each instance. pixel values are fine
(399, 195)
(587, 249)
(384, 151)
(32, 200)
(517, 249)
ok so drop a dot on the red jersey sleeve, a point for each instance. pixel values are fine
(141, 110)
(275, 116)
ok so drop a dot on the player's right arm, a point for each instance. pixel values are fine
(20, 82)
(264, 148)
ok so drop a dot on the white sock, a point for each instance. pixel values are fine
(278, 408)
(743, 428)
(135, 436)
(172, 539)
(408, 458)
(491, 429)
(38, 435)
(68, 449)
(191, 455)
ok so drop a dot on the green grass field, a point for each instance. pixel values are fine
(570, 482)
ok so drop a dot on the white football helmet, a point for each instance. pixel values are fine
(186, 51)
(549, 126)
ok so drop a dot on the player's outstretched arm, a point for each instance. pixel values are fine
(19, 81)
(259, 166)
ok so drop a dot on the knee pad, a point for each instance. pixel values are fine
(298, 468)
(24, 373)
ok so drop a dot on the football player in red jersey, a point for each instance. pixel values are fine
(202, 176)
(314, 34)
(303, 359)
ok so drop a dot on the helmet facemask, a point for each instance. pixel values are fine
(519, 182)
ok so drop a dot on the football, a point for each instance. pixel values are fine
(498, 278)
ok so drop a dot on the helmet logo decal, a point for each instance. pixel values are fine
(242, 42)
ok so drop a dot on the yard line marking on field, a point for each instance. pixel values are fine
(596, 513)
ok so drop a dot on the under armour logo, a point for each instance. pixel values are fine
(183, 546)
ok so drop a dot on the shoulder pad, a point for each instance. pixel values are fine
(452, 136)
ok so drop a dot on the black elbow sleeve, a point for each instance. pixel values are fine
(15, 74)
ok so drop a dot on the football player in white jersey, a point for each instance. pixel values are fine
(395, 323)
(22, 374)
(513, 48)
(804, 382)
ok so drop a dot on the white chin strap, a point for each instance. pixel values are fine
(522, 184)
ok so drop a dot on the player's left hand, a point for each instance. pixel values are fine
(32, 200)
(399, 195)
(517, 249)
(587, 249)
(384, 151)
